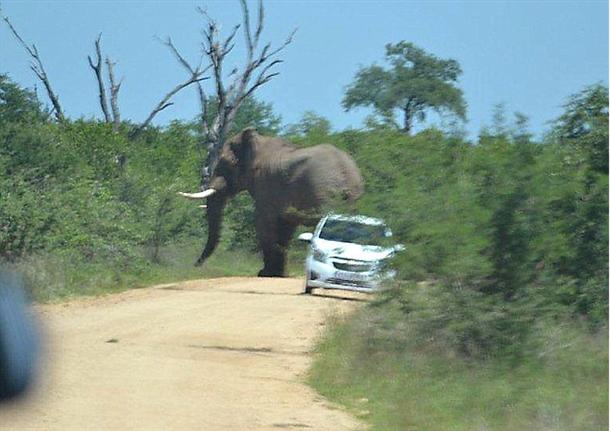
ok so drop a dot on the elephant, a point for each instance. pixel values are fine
(289, 185)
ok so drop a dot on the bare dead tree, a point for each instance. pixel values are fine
(256, 72)
(97, 70)
(38, 69)
(114, 94)
(229, 98)
(112, 115)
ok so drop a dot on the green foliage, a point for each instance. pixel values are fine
(17, 104)
(252, 113)
(573, 181)
(503, 230)
(239, 223)
(507, 242)
(311, 126)
(417, 81)
(506, 230)
(63, 274)
(584, 126)
(21, 217)
(418, 383)
(78, 200)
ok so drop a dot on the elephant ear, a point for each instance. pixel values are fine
(242, 147)
(248, 134)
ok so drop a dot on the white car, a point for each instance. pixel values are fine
(348, 253)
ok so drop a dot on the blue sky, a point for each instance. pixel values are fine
(529, 55)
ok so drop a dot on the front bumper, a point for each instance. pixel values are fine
(324, 275)
(328, 285)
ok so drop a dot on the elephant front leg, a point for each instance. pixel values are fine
(272, 244)
(272, 262)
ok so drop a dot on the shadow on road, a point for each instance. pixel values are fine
(335, 297)
(329, 296)
(313, 295)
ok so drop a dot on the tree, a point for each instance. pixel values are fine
(38, 69)
(584, 125)
(582, 133)
(417, 81)
(113, 116)
(252, 113)
(17, 104)
(195, 76)
(310, 124)
(218, 110)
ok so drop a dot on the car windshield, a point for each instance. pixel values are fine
(353, 232)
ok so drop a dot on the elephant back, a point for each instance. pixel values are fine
(320, 173)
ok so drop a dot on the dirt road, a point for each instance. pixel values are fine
(220, 354)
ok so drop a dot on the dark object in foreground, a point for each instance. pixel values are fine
(18, 346)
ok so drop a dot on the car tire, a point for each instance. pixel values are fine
(308, 289)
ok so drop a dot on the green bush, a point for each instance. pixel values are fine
(561, 383)
(503, 229)
(499, 317)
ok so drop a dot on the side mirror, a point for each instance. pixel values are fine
(399, 247)
(306, 236)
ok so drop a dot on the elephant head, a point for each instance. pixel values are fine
(230, 176)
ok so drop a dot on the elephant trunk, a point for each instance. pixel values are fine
(215, 209)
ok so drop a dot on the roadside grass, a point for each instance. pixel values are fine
(53, 277)
(562, 386)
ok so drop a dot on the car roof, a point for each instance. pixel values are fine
(356, 218)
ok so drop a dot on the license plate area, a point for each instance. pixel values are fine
(351, 276)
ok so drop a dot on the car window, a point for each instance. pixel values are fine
(353, 232)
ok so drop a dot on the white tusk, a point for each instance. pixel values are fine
(202, 206)
(201, 195)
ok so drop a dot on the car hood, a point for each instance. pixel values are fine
(345, 250)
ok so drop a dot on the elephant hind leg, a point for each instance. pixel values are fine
(274, 260)
(285, 232)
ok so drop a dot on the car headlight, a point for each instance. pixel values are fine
(383, 264)
(384, 267)
(319, 255)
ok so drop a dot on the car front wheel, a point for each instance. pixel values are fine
(308, 288)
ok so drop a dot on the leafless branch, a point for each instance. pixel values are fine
(254, 63)
(263, 77)
(228, 44)
(97, 70)
(38, 69)
(287, 42)
(110, 116)
(203, 100)
(261, 18)
(165, 103)
(170, 44)
(247, 31)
